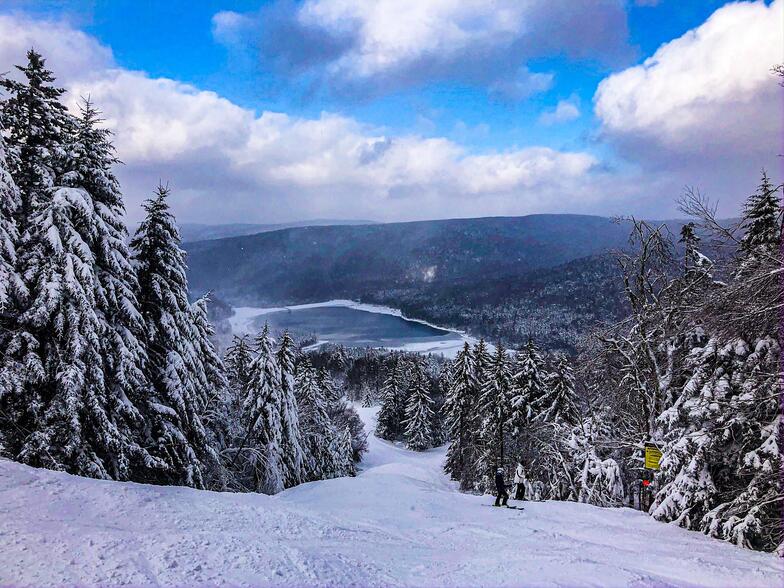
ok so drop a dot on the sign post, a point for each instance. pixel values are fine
(653, 456)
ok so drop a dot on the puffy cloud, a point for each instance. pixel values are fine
(564, 111)
(705, 106)
(227, 163)
(375, 45)
(69, 51)
(691, 80)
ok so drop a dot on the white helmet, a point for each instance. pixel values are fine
(500, 470)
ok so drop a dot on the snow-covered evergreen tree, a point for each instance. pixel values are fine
(77, 420)
(76, 340)
(36, 124)
(12, 290)
(482, 360)
(762, 219)
(588, 476)
(212, 372)
(291, 437)
(237, 361)
(343, 454)
(721, 464)
(317, 430)
(262, 420)
(332, 394)
(392, 411)
(11, 285)
(179, 394)
(418, 421)
(460, 407)
(528, 385)
(495, 408)
(558, 403)
(238, 358)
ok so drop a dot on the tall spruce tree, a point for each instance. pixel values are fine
(37, 125)
(418, 421)
(482, 360)
(89, 161)
(460, 407)
(558, 404)
(392, 411)
(238, 358)
(762, 219)
(211, 372)
(291, 438)
(261, 419)
(76, 339)
(318, 432)
(332, 395)
(179, 394)
(79, 419)
(528, 386)
(494, 405)
(343, 454)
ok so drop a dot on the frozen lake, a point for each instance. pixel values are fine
(351, 324)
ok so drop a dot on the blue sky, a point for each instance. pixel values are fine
(472, 84)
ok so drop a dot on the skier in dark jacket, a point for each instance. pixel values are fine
(501, 495)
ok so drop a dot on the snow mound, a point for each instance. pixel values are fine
(401, 522)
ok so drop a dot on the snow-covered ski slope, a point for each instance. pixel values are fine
(400, 522)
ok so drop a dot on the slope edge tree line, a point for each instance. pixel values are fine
(107, 370)
(695, 369)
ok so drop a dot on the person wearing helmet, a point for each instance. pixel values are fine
(502, 496)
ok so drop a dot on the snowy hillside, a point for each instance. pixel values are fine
(400, 522)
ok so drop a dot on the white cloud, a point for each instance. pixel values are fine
(227, 163)
(564, 111)
(713, 83)
(704, 110)
(366, 46)
(393, 33)
(69, 51)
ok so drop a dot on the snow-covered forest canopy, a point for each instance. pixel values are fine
(110, 371)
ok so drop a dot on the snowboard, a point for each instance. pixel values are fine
(521, 508)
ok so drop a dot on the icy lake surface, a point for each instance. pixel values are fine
(351, 324)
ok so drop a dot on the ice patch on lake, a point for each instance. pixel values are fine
(244, 322)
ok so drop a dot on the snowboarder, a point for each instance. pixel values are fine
(500, 487)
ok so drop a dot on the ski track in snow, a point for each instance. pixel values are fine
(401, 522)
(242, 323)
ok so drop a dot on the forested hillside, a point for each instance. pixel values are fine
(508, 278)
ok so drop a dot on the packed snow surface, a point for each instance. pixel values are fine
(400, 522)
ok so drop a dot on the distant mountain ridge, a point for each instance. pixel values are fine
(313, 263)
(190, 232)
(490, 275)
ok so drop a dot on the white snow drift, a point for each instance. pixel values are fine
(400, 522)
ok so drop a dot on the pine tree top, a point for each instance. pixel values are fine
(762, 217)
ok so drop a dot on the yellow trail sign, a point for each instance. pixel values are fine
(652, 456)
